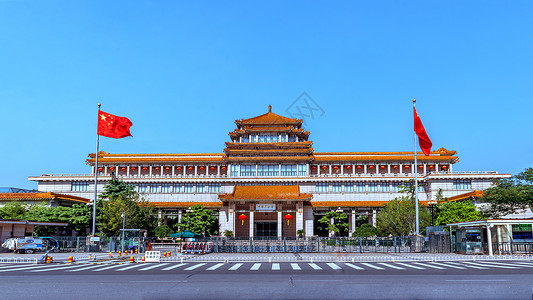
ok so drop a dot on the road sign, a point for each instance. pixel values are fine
(152, 256)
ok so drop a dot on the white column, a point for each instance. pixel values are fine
(450, 167)
(105, 170)
(388, 168)
(318, 168)
(256, 169)
(401, 168)
(139, 171)
(425, 165)
(173, 171)
(161, 171)
(195, 171)
(299, 216)
(377, 168)
(150, 170)
(128, 171)
(364, 168)
(374, 217)
(251, 224)
(354, 222)
(329, 169)
(218, 170)
(279, 170)
(342, 169)
(308, 169)
(308, 220)
(183, 172)
(437, 167)
(353, 169)
(280, 225)
(489, 240)
(228, 172)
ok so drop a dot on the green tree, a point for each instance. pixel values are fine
(163, 231)
(457, 211)
(398, 218)
(365, 230)
(335, 221)
(199, 220)
(13, 210)
(509, 195)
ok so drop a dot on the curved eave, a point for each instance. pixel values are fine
(354, 203)
(157, 160)
(318, 159)
(268, 158)
(186, 204)
(41, 197)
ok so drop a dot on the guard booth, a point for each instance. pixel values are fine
(130, 239)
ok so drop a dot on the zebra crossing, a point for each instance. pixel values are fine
(263, 266)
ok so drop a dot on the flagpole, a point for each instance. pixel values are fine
(96, 172)
(416, 182)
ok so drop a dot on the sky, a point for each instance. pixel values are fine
(184, 71)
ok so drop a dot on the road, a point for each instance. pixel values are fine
(253, 280)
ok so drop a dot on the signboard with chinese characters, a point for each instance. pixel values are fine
(265, 207)
(152, 256)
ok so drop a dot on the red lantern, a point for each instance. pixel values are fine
(371, 167)
(288, 217)
(348, 167)
(243, 217)
(431, 167)
(167, 168)
(420, 167)
(335, 167)
(201, 168)
(179, 168)
(123, 169)
(100, 169)
(223, 168)
(313, 167)
(133, 168)
(145, 168)
(190, 168)
(157, 168)
(112, 168)
(324, 167)
(212, 168)
(407, 167)
(383, 167)
(395, 167)
(444, 167)
(359, 167)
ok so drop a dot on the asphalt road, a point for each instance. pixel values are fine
(410, 280)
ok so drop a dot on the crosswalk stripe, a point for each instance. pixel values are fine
(83, 268)
(255, 267)
(315, 266)
(430, 266)
(372, 266)
(11, 266)
(129, 267)
(353, 266)
(153, 266)
(25, 268)
(468, 266)
(411, 266)
(56, 268)
(107, 268)
(334, 266)
(214, 267)
(275, 267)
(296, 267)
(524, 264)
(493, 266)
(235, 267)
(392, 266)
(448, 265)
(518, 265)
(173, 267)
(194, 267)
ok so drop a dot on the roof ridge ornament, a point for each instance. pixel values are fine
(269, 108)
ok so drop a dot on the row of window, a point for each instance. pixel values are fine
(361, 187)
(268, 170)
(268, 138)
(179, 188)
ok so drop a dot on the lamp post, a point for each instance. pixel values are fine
(123, 215)
(339, 211)
(188, 210)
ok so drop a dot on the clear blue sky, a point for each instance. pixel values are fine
(184, 71)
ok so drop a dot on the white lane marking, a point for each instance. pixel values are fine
(430, 266)
(235, 267)
(107, 268)
(392, 266)
(493, 266)
(353, 266)
(515, 265)
(56, 268)
(275, 267)
(26, 268)
(173, 267)
(448, 265)
(468, 265)
(334, 266)
(372, 266)
(496, 280)
(129, 267)
(155, 265)
(255, 267)
(315, 266)
(523, 264)
(194, 267)
(85, 268)
(214, 267)
(11, 266)
(411, 266)
(296, 267)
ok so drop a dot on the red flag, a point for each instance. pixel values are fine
(423, 138)
(113, 126)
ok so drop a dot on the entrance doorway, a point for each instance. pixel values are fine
(266, 229)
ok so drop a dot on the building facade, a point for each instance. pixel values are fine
(270, 182)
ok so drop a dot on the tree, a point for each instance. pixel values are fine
(509, 195)
(13, 210)
(199, 220)
(119, 198)
(398, 218)
(335, 221)
(458, 211)
(163, 231)
(365, 230)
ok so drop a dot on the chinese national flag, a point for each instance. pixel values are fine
(113, 126)
(423, 139)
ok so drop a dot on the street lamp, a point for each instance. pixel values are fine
(339, 211)
(123, 215)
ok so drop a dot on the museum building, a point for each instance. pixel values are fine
(269, 181)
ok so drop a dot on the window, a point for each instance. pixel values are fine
(245, 139)
(421, 188)
(360, 186)
(302, 170)
(215, 187)
(373, 187)
(288, 170)
(384, 187)
(268, 138)
(462, 184)
(166, 188)
(248, 170)
(188, 188)
(234, 170)
(321, 187)
(177, 188)
(292, 138)
(200, 188)
(268, 170)
(395, 187)
(348, 187)
(79, 187)
(154, 188)
(336, 187)
(143, 188)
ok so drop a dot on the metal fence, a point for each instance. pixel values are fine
(105, 244)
